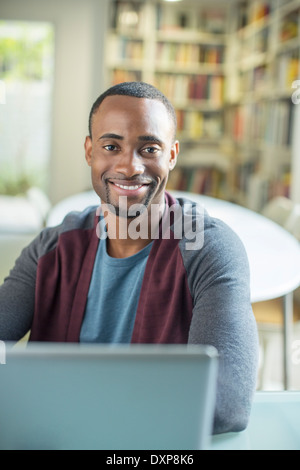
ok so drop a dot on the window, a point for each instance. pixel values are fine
(26, 87)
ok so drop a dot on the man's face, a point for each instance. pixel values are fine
(131, 151)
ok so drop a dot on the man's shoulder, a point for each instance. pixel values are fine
(210, 236)
(195, 214)
(75, 221)
(198, 212)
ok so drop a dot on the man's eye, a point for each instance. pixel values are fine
(150, 150)
(110, 147)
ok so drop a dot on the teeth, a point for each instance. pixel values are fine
(130, 188)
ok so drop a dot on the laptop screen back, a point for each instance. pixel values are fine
(107, 397)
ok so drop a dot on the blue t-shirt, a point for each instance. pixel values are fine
(113, 297)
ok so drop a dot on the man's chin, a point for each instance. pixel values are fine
(130, 212)
(126, 207)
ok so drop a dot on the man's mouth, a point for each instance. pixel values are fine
(129, 187)
(138, 190)
(134, 187)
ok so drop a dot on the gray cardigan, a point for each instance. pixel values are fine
(197, 296)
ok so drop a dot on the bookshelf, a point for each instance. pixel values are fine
(181, 49)
(228, 68)
(261, 113)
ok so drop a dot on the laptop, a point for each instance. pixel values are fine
(84, 397)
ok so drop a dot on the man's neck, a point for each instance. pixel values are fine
(125, 248)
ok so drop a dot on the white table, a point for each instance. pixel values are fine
(274, 254)
(274, 425)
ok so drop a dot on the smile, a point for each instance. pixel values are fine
(129, 188)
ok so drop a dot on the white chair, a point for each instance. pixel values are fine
(292, 224)
(77, 202)
(21, 219)
(40, 202)
(285, 213)
(278, 209)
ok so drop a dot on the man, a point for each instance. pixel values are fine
(93, 279)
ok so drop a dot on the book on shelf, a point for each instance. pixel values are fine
(191, 124)
(197, 125)
(192, 87)
(171, 53)
(286, 70)
(192, 17)
(277, 130)
(281, 185)
(265, 121)
(130, 49)
(261, 189)
(188, 53)
(257, 192)
(259, 10)
(290, 26)
(123, 48)
(120, 75)
(213, 20)
(201, 180)
(207, 87)
(253, 12)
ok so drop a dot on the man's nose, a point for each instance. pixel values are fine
(129, 164)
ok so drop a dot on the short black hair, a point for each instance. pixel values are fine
(137, 90)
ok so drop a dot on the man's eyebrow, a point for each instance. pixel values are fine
(111, 136)
(141, 138)
(150, 138)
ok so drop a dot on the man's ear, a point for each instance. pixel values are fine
(173, 155)
(88, 149)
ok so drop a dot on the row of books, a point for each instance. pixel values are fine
(121, 47)
(197, 17)
(259, 10)
(277, 76)
(287, 70)
(290, 26)
(209, 181)
(192, 87)
(251, 12)
(257, 80)
(119, 76)
(257, 187)
(181, 89)
(265, 121)
(189, 53)
(260, 189)
(199, 125)
(167, 53)
(132, 15)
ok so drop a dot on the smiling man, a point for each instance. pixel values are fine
(81, 283)
(131, 149)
